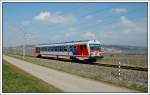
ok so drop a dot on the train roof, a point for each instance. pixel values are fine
(69, 43)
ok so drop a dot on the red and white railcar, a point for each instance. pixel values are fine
(81, 50)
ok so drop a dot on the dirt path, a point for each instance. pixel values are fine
(65, 81)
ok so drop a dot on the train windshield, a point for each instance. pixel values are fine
(95, 46)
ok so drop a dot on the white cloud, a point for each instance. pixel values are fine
(126, 21)
(125, 32)
(55, 18)
(131, 26)
(119, 10)
(90, 35)
(42, 16)
(88, 17)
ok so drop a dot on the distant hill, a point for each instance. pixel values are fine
(128, 49)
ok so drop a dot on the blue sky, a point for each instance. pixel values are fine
(110, 23)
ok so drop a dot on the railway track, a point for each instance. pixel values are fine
(121, 67)
(101, 64)
(106, 65)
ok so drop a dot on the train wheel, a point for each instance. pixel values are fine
(38, 56)
(91, 60)
(73, 58)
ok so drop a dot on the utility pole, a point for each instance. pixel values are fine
(23, 43)
(24, 40)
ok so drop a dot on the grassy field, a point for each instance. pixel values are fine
(131, 79)
(18, 81)
(136, 60)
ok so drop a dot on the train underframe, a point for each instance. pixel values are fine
(74, 58)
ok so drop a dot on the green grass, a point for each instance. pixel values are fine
(15, 80)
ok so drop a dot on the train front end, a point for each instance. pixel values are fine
(95, 50)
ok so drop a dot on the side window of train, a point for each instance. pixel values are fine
(75, 47)
(51, 48)
(61, 48)
(58, 48)
(71, 48)
(68, 48)
(43, 49)
(48, 48)
(55, 48)
(64, 48)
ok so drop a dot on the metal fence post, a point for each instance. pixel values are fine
(119, 71)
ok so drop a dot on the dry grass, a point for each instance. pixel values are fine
(137, 60)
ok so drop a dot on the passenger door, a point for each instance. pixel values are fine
(82, 49)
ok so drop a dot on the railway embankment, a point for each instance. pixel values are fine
(65, 81)
(133, 79)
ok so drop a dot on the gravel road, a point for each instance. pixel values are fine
(65, 81)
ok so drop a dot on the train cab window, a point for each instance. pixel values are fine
(95, 46)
